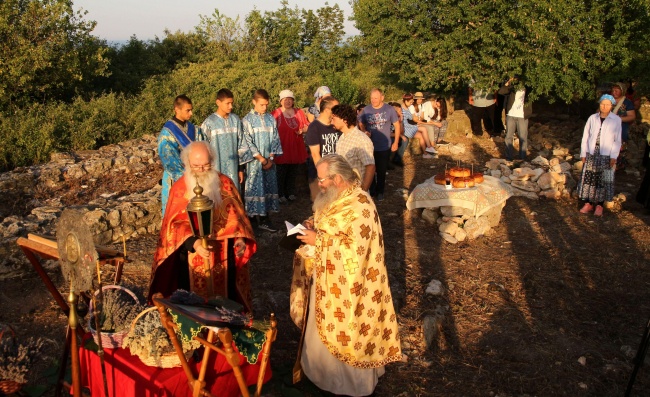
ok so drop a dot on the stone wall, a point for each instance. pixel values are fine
(109, 217)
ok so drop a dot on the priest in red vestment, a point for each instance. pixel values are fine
(181, 261)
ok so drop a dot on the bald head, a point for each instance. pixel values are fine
(198, 156)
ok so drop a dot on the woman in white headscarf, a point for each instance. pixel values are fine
(292, 125)
(601, 144)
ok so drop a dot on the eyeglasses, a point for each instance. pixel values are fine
(204, 167)
(321, 180)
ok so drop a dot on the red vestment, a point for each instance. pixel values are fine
(229, 222)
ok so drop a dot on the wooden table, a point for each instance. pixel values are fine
(223, 333)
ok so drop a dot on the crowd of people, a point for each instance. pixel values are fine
(249, 166)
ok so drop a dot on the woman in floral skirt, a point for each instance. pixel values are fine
(601, 144)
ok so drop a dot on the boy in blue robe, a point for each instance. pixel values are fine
(177, 133)
(223, 130)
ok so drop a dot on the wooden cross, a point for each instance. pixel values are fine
(343, 338)
(372, 274)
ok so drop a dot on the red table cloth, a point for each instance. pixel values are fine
(128, 376)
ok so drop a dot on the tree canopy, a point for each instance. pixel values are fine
(47, 51)
(561, 47)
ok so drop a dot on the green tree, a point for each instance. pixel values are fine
(46, 50)
(222, 35)
(275, 36)
(324, 30)
(561, 47)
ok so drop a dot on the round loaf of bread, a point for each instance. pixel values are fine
(459, 172)
(439, 179)
(463, 182)
(478, 178)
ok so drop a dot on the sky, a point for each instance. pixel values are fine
(118, 20)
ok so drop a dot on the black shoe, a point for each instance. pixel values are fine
(380, 197)
(398, 163)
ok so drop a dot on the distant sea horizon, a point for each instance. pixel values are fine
(118, 43)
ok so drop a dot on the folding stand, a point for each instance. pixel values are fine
(34, 247)
(225, 337)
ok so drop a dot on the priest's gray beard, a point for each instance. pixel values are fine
(209, 181)
(325, 198)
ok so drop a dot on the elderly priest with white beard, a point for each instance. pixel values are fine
(350, 332)
(180, 259)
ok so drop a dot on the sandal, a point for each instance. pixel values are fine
(599, 210)
(587, 208)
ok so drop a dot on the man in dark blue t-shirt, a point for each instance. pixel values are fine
(377, 118)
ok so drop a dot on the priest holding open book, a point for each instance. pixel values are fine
(350, 330)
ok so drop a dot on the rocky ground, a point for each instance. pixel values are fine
(549, 302)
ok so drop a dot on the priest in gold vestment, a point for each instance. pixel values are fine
(180, 260)
(350, 332)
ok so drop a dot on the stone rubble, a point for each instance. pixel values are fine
(457, 224)
(109, 217)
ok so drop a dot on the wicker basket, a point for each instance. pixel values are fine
(110, 340)
(168, 360)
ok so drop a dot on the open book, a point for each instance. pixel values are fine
(290, 241)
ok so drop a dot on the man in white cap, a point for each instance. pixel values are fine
(314, 110)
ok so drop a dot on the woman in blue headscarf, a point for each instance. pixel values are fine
(601, 144)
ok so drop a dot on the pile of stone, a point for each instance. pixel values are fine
(552, 178)
(457, 224)
(109, 217)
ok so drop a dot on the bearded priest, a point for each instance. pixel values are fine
(350, 332)
(181, 261)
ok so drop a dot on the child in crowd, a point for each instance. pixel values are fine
(412, 130)
(439, 122)
(261, 188)
(223, 130)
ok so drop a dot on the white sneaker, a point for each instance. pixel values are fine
(431, 150)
